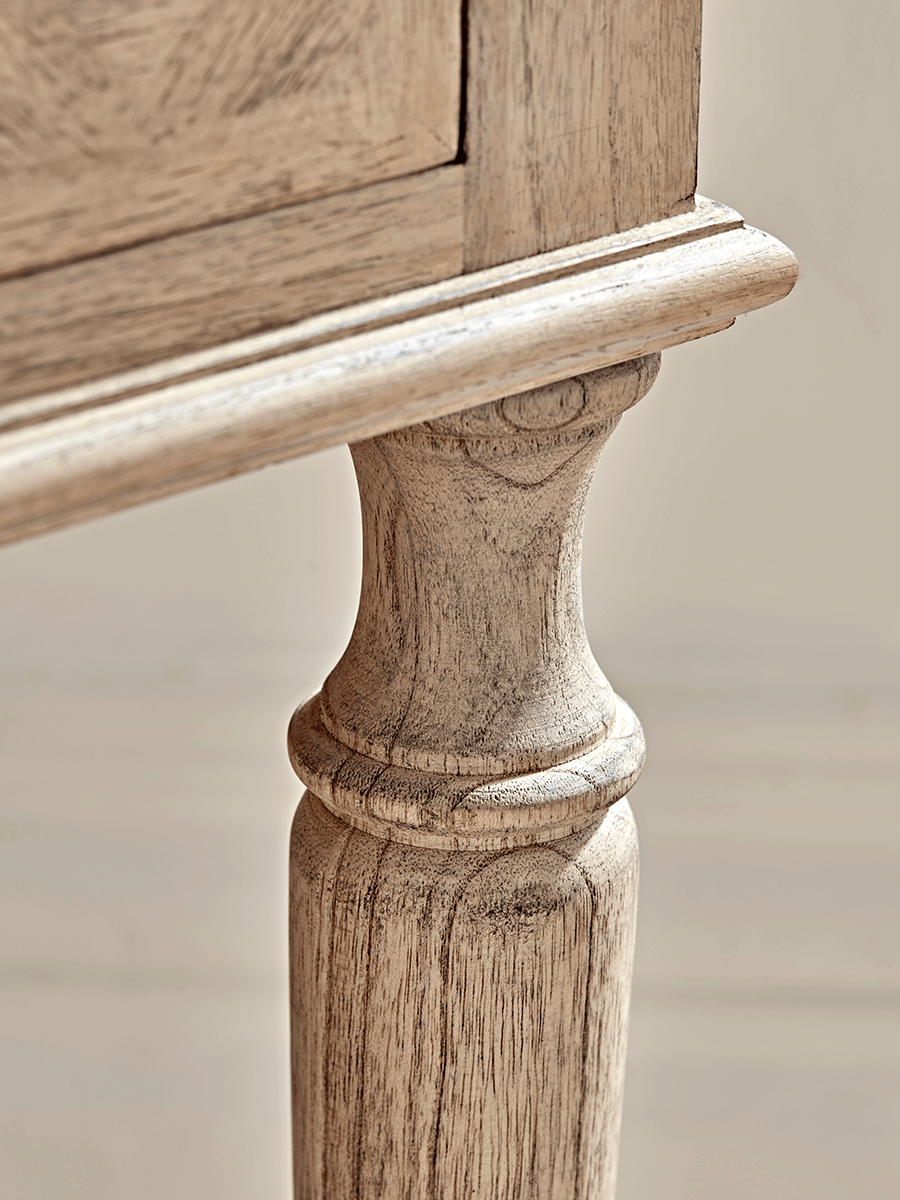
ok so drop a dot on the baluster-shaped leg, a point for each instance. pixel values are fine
(464, 867)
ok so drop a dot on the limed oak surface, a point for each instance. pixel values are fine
(93, 319)
(464, 874)
(459, 1019)
(581, 120)
(378, 366)
(123, 122)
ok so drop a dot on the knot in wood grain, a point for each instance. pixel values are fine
(469, 667)
(570, 406)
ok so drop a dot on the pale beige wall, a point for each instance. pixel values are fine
(755, 492)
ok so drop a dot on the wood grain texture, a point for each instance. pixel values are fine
(116, 312)
(33, 309)
(123, 122)
(581, 120)
(463, 884)
(458, 1019)
(468, 709)
(508, 482)
(376, 367)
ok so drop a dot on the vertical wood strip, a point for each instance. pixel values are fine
(581, 121)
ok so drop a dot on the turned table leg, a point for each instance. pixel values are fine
(464, 866)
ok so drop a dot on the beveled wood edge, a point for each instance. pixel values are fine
(382, 365)
(466, 812)
(708, 217)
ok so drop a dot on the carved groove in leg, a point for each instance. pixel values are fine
(468, 709)
(464, 812)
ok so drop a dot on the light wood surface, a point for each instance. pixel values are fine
(108, 314)
(791, 1085)
(581, 120)
(459, 1019)
(464, 866)
(499, 332)
(468, 710)
(706, 218)
(460, 980)
(128, 122)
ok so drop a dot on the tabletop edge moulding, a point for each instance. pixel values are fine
(707, 217)
(365, 370)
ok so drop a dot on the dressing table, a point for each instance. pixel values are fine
(457, 237)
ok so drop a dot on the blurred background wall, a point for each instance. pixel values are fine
(741, 589)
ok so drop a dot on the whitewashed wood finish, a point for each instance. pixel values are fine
(459, 1019)
(468, 710)
(464, 868)
(581, 120)
(124, 122)
(96, 318)
(379, 366)
(706, 218)
(462, 916)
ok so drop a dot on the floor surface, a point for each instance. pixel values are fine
(146, 802)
